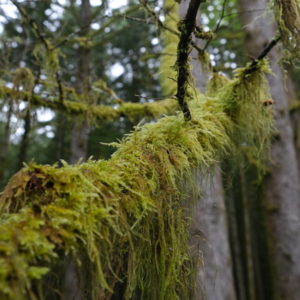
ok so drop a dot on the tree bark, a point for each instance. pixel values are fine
(281, 190)
(214, 278)
(209, 232)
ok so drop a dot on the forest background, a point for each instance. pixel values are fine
(78, 75)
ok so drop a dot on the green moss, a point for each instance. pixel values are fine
(216, 83)
(122, 220)
(287, 15)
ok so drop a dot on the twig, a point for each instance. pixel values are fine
(253, 66)
(187, 26)
(152, 12)
(218, 24)
(161, 24)
(263, 54)
(32, 24)
(265, 51)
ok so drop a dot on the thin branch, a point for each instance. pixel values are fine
(187, 26)
(269, 47)
(32, 23)
(221, 17)
(219, 23)
(158, 21)
(263, 54)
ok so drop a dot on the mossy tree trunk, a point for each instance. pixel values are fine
(209, 232)
(281, 193)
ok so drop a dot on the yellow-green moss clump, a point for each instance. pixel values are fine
(121, 221)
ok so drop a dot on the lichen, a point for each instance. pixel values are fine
(122, 220)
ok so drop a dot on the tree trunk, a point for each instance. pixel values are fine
(214, 278)
(210, 236)
(25, 140)
(5, 143)
(60, 136)
(80, 132)
(281, 190)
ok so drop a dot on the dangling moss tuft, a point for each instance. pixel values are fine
(216, 83)
(250, 109)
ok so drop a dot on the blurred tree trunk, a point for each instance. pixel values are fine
(60, 136)
(25, 140)
(281, 191)
(209, 232)
(294, 104)
(80, 132)
(5, 142)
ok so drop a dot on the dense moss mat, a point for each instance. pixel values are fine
(121, 221)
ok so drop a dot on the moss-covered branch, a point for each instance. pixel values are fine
(130, 110)
(122, 220)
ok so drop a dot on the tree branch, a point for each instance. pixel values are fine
(218, 24)
(186, 27)
(263, 54)
(269, 47)
(131, 110)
